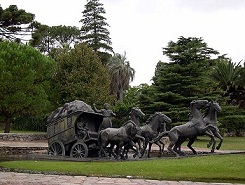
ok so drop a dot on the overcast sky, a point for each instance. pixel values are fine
(141, 28)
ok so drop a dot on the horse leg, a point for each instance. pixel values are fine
(136, 151)
(119, 148)
(209, 143)
(102, 151)
(111, 152)
(191, 141)
(159, 144)
(144, 148)
(177, 146)
(149, 150)
(210, 134)
(217, 134)
(170, 148)
(173, 138)
(138, 139)
(125, 151)
(162, 152)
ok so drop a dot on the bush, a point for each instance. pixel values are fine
(234, 123)
(30, 123)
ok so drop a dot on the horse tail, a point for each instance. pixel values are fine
(160, 135)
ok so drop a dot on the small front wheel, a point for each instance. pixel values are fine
(79, 150)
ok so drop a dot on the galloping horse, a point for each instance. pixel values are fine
(210, 118)
(117, 136)
(151, 129)
(195, 127)
(135, 115)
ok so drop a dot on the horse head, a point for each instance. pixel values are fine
(137, 112)
(198, 104)
(216, 106)
(157, 119)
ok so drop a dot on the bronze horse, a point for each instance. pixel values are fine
(135, 115)
(151, 129)
(117, 136)
(210, 118)
(196, 126)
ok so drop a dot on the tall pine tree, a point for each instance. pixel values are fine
(184, 79)
(15, 23)
(94, 30)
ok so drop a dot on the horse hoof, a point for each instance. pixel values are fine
(208, 145)
(217, 148)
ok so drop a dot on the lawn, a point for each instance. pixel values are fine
(229, 143)
(212, 168)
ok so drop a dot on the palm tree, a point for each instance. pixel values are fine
(230, 77)
(227, 73)
(121, 74)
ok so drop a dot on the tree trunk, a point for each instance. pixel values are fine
(7, 124)
(120, 93)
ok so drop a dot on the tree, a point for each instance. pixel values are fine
(24, 80)
(121, 74)
(94, 30)
(230, 78)
(177, 83)
(81, 76)
(14, 23)
(227, 73)
(50, 39)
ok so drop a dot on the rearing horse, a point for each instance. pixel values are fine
(195, 127)
(210, 118)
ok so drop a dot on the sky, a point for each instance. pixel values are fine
(141, 28)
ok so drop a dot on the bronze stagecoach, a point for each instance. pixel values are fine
(72, 130)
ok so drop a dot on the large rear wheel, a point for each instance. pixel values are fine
(79, 150)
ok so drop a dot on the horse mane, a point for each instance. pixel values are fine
(129, 121)
(151, 117)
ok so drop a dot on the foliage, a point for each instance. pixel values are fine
(122, 111)
(214, 168)
(230, 78)
(226, 73)
(30, 123)
(81, 76)
(24, 80)
(185, 78)
(50, 39)
(121, 74)
(94, 30)
(14, 23)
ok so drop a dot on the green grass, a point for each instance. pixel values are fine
(229, 143)
(214, 168)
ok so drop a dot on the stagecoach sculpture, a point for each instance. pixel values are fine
(75, 130)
